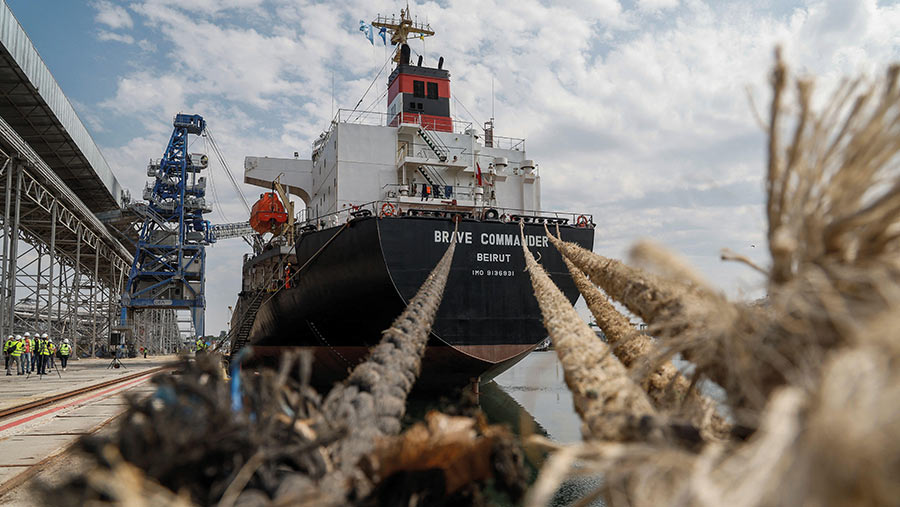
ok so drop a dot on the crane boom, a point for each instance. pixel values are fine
(288, 206)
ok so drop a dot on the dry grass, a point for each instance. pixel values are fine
(812, 371)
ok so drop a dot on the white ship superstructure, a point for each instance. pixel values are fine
(362, 159)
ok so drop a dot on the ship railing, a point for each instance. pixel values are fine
(381, 119)
(347, 212)
(440, 208)
(393, 191)
(535, 216)
(508, 143)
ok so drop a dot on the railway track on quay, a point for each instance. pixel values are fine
(50, 400)
(44, 417)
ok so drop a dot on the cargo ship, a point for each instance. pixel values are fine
(384, 194)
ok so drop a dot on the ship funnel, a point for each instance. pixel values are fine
(404, 53)
(420, 60)
(440, 63)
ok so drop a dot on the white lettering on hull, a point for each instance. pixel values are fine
(492, 257)
(492, 239)
(464, 238)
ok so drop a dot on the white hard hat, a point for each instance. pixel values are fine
(27, 334)
(18, 337)
(44, 335)
(66, 340)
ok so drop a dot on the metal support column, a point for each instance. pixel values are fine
(76, 290)
(6, 317)
(94, 283)
(52, 266)
(14, 250)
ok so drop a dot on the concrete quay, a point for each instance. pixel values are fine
(34, 440)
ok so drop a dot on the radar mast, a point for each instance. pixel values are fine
(401, 28)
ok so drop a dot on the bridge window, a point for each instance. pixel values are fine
(418, 88)
(432, 91)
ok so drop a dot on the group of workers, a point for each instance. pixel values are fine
(27, 354)
(202, 345)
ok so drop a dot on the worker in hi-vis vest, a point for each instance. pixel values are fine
(64, 351)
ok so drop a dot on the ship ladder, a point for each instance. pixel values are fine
(246, 324)
(433, 179)
(435, 144)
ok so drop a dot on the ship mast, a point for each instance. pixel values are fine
(401, 28)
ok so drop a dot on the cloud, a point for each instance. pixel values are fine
(143, 92)
(146, 46)
(656, 5)
(637, 117)
(112, 36)
(112, 15)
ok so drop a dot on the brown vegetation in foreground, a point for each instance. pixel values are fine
(811, 375)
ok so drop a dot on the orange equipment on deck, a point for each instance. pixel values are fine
(268, 214)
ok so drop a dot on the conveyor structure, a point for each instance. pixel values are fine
(170, 262)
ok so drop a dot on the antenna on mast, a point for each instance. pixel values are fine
(489, 125)
(400, 29)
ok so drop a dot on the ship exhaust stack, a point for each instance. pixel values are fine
(404, 54)
(441, 63)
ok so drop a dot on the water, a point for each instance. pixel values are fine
(532, 397)
(538, 387)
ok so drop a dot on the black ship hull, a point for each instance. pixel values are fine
(354, 280)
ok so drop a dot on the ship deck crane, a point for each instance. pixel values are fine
(289, 207)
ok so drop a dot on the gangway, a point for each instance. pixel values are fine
(234, 230)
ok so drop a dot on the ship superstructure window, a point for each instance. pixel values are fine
(432, 91)
(418, 88)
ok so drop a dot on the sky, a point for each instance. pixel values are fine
(640, 112)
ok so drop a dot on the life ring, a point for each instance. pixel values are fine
(491, 214)
(582, 221)
(387, 209)
(504, 218)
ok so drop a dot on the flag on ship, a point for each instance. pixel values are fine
(366, 29)
(478, 173)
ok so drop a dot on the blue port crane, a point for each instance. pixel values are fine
(168, 270)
